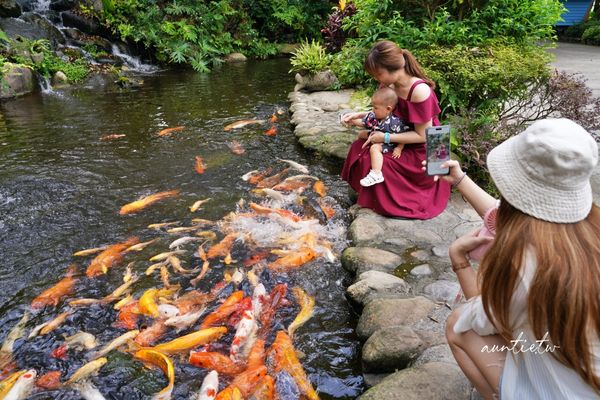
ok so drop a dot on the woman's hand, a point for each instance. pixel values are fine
(455, 174)
(375, 137)
(460, 247)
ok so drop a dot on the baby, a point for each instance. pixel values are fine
(381, 119)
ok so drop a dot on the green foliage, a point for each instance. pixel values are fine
(482, 77)
(576, 31)
(201, 33)
(592, 35)
(310, 58)
(348, 66)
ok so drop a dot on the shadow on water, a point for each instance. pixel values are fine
(61, 187)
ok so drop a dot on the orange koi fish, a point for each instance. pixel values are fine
(272, 131)
(109, 257)
(224, 310)
(146, 201)
(293, 185)
(256, 357)
(283, 356)
(50, 380)
(328, 210)
(236, 147)
(112, 136)
(52, 296)
(255, 258)
(222, 248)
(257, 208)
(247, 381)
(273, 119)
(168, 131)
(230, 393)
(128, 316)
(319, 188)
(253, 177)
(199, 165)
(272, 180)
(293, 260)
(192, 340)
(265, 389)
(191, 301)
(216, 361)
(242, 123)
(165, 364)
(151, 334)
(276, 299)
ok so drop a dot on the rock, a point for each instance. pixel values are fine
(382, 313)
(373, 379)
(59, 79)
(391, 348)
(420, 255)
(366, 230)
(315, 82)
(26, 5)
(62, 5)
(376, 284)
(84, 24)
(287, 48)
(442, 290)
(33, 27)
(16, 80)
(362, 259)
(439, 353)
(431, 381)
(235, 57)
(9, 8)
(421, 270)
(440, 251)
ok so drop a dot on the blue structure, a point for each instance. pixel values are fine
(577, 11)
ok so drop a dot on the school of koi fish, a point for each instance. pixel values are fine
(230, 331)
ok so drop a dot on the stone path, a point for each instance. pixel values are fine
(582, 59)
(402, 273)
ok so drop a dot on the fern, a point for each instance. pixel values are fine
(179, 52)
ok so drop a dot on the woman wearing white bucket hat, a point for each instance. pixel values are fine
(530, 328)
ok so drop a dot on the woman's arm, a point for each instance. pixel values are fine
(478, 198)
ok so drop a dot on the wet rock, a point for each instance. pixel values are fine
(372, 285)
(391, 348)
(315, 82)
(62, 5)
(431, 381)
(16, 80)
(373, 379)
(382, 313)
(235, 57)
(26, 5)
(442, 290)
(9, 8)
(84, 24)
(31, 26)
(439, 353)
(59, 79)
(421, 270)
(362, 259)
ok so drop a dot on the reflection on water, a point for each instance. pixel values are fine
(61, 189)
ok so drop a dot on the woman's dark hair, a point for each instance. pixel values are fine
(388, 55)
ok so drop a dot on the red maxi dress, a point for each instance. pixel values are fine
(407, 191)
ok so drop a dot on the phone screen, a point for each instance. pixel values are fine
(438, 149)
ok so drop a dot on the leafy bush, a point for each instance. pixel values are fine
(559, 95)
(482, 77)
(576, 31)
(592, 35)
(348, 66)
(310, 58)
(334, 34)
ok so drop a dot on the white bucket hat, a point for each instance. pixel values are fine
(545, 170)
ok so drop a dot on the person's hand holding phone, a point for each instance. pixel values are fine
(453, 176)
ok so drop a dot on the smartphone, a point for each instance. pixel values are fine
(438, 149)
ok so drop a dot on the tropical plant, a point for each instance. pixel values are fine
(310, 58)
(333, 34)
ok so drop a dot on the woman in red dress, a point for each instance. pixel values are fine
(406, 191)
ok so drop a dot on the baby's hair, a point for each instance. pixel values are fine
(386, 95)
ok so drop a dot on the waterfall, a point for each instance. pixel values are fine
(41, 6)
(133, 63)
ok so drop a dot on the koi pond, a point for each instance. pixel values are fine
(71, 159)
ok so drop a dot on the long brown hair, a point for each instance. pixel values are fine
(388, 55)
(564, 297)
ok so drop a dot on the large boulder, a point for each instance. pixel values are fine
(431, 381)
(385, 313)
(9, 8)
(363, 259)
(62, 5)
(392, 348)
(50, 32)
(323, 80)
(235, 57)
(86, 25)
(372, 285)
(16, 80)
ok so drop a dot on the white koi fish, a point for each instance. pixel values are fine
(181, 322)
(88, 391)
(183, 240)
(116, 343)
(244, 338)
(209, 388)
(81, 340)
(259, 297)
(22, 387)
(295, 165)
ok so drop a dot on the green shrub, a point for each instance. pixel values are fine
(310, 58)
(482, 77)
(576, 31)
(592, 35)
(348, 66)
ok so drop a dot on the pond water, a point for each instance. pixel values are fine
(61, 188)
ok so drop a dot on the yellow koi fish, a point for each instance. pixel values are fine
(144, 202)
(147, 303)
(192, 340)
(165, 364)
(88, 369)
(87, 252)
(307, 307)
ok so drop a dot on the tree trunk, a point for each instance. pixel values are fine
(596, 14)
